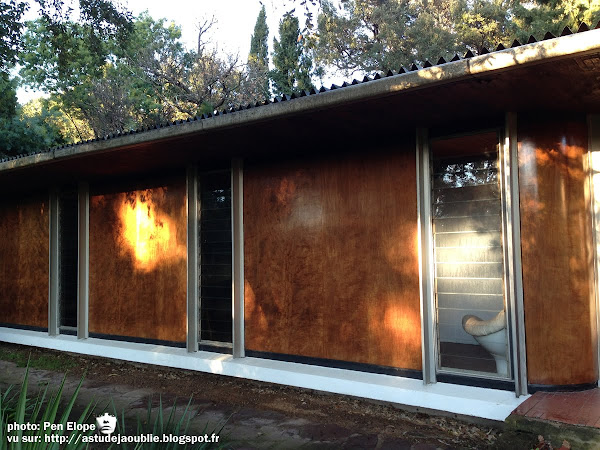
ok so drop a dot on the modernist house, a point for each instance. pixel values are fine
(426, 237)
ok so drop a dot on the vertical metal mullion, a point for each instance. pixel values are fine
(594, 168)
(513, 239)
(237, 239)
(428, 339)
(53, 293)
(507, 252)
(193, 263)
(83, 260)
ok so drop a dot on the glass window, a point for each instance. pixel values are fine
(215, 257)
(469, 267)
(67, 241)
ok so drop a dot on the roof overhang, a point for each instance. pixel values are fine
(554, 75)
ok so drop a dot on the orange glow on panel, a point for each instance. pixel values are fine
(399, 326)
(402, 253)
(147, 233)
(401, 321)
(253, 309)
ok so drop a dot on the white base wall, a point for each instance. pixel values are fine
(464, 400)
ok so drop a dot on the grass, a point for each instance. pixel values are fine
(55, 363)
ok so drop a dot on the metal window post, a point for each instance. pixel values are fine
(428, 340)
(237, 229)
(513, 249)
(83, 261)
(53, 293)
(193, 262)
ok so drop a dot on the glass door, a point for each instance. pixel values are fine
(469, 270)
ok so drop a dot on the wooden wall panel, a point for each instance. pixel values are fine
(24, 262)
(556, 244)
(331, 259)
(138, 263)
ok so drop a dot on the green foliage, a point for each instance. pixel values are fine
(41, 408)
(431, 34)
(110, 96)
(8, 96)
(100, 24)
(71, 127)
(150, 78)
(258, 58)
(292, 63)
(259, 45)
(20, 134)
(42, 66)
(154, 47)
(482, 24)
(109, 72)
(51, 407)
(184, 82)
(374, 35)
(77, 63)
(540, 16)
(11, 26)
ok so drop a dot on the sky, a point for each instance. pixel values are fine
(235, 19)
(231, 34)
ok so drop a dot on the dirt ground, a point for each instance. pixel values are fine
(264, 415)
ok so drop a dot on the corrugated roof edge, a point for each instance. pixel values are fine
(472, 69)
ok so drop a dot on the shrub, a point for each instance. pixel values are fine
(36, 411)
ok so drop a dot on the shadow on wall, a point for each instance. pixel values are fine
(24, 262)
(557, 252)
(331, 259)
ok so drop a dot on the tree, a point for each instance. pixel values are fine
(151, 78)
(71, 86)
(189, 82)
(8, 96)
(71, 128)
(379, 35)
(539, 16)
(365, 35)
(292, 64)
(258, 58)
(19, 133)
(432, 33)
(483, 23)
(100, 22)
(11, 26)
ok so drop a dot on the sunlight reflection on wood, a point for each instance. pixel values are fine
(147, 232)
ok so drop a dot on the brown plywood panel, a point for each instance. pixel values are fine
(557, 253)
(138, 263)
(331, 259)
(24, 262)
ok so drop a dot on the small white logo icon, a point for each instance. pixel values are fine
(106, 423)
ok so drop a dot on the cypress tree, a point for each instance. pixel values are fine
(258, 59)
(292, 64)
